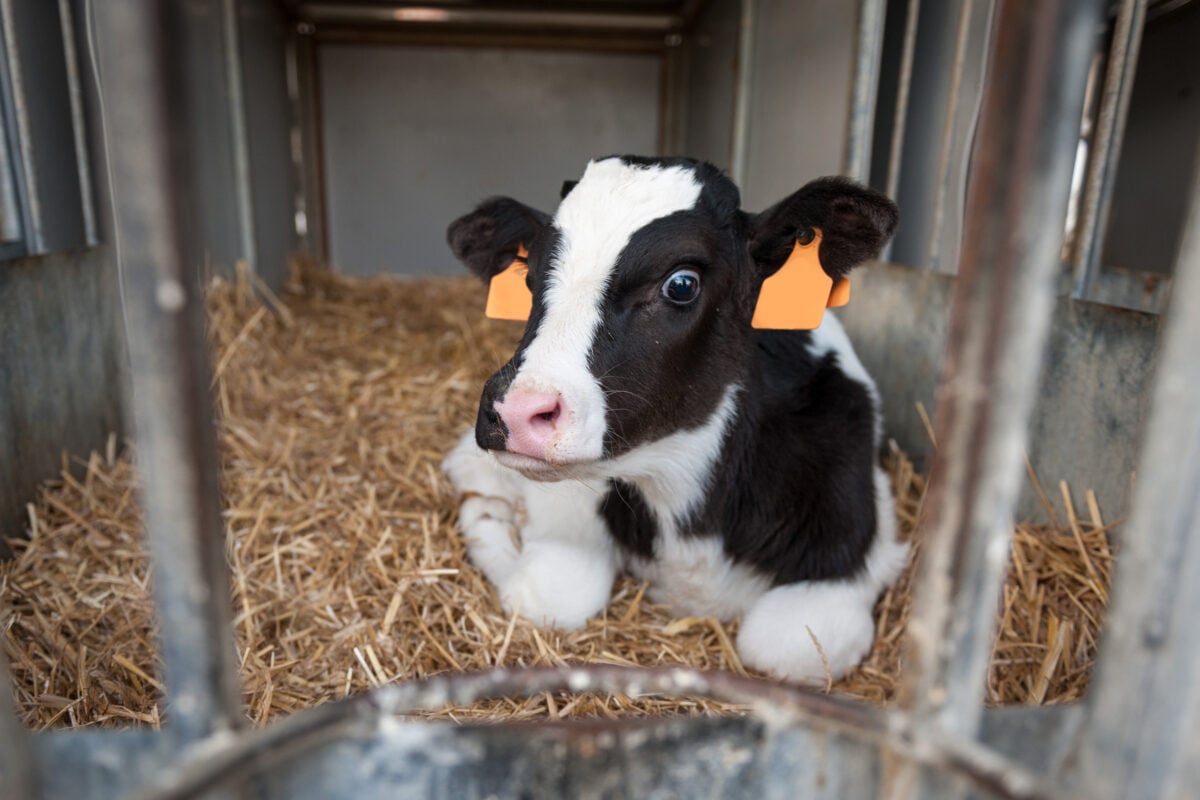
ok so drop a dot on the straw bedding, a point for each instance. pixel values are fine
(335, 405)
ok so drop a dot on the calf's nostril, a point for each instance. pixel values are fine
(551, 415)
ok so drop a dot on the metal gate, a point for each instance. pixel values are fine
(1138, 735)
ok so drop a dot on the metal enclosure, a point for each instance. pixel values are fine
(1135, 737)
(451, 126)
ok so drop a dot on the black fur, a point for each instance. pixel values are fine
(629, 519)
(792, 493)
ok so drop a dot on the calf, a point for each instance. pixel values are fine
(644, 424)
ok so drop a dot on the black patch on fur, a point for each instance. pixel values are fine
(630, 521)
(793, 492)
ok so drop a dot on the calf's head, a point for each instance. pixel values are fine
(644, 283)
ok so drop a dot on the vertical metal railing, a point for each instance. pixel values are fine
(16, 762)
(868, 52)
(1017, 197)
(172, 410)
(1116, 90)
(1143, 735)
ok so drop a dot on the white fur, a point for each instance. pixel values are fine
(608, 205)
(542, 545)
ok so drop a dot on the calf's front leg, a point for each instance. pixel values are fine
(542, 545)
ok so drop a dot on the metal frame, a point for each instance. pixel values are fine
(1142, 728)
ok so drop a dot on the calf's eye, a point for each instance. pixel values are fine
(682, 287)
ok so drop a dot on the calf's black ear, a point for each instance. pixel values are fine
(486, 240)
(855, 223)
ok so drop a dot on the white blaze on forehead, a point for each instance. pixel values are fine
(611, 202)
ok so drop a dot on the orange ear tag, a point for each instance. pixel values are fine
(795, 297)
(508, 296)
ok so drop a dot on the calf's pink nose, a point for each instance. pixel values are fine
(532, 420)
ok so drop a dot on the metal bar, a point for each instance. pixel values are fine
(10, 209)
(1016, 199)
(308, 129)
(868, 52)
(1106, 143)
(243, 190)
(896, 150)
(331, 13)
(365, 716)
(949, 134)
(1143, 703)
(903, 89)
(16, 759)
(79, 131)
(35, 238)
(739, 144)
(169, 371)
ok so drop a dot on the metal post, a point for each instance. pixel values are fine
(868, 51)
(1106, 144)
(1016, 199)
(16, 762)
(1144, 702)
(740, 138)
(951, 135)
(172, 410)
(234, 81)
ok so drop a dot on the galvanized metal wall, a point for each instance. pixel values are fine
(415, 136)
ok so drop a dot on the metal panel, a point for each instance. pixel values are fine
(209, 143)
(1093, 395)
(263, 37)
(799, 96)
(1141, 732)
(713, 47)
(1021, 175)
(172, 408)
(451, 126)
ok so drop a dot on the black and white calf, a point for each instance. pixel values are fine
(644, 424)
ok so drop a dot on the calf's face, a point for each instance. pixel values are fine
(644, 283)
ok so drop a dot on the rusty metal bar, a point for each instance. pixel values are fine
(172, 410)
(868, 51)
(1106, 143)
(1016, 199)
(782, 707)
(1144, 702)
